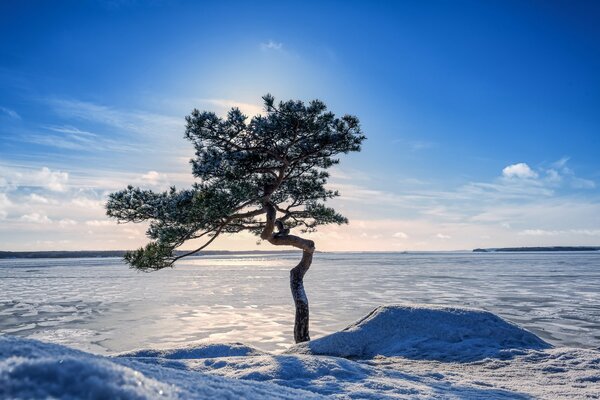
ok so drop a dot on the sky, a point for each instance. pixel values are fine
(482, 117)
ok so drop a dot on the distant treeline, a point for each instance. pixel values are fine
(551, 248)
(117, 253)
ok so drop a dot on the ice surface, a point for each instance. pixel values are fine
(426, 333)
(95, 304)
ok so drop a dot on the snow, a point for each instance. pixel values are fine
(200, 350)
(30, 369)
(426, 333)
(399, 351)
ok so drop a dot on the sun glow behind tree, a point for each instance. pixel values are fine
(252, 176)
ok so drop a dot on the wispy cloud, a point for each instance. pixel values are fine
(580, 183)
(414, 145)
(72, 138)
(141, 122)
(560, 173)
(271, 45)
(11, 113)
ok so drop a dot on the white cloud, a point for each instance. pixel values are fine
(542, 232)
(53, 180)
(272, 45)
(400, 235)
(519, 170)
(365, 235)
(14, 178)
(66, 222)
(36, 198)
(87, 203)
(96, 222)
(36, 218)
(5, 203)
(154, 178)
(442, 236)
(538, 232)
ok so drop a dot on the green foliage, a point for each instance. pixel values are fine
(152, 257)
(243, 164)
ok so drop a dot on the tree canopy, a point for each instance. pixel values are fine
(272, 166)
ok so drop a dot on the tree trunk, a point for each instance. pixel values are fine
(300, 299)
(296, 274)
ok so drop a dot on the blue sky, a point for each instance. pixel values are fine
(481, 116)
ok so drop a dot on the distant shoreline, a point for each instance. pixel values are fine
(529, 249)
(119, 253)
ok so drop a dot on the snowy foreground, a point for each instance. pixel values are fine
(405, 351)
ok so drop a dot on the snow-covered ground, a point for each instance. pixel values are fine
(401, 351)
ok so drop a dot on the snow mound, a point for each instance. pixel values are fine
(34, 370)
(426, 333)
(202, 350)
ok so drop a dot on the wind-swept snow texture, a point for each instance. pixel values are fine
(34, 370)
(426, 333)
(201, 350)
(395, 352)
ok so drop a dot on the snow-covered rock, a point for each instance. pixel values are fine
(426, 333)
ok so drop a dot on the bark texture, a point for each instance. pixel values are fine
(301, 325)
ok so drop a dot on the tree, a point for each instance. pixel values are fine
(254, 175)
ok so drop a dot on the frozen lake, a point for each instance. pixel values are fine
(100, 305)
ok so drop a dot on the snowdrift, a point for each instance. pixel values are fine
(426, 333)
(395, 352)
(34, 370)
(197, 351)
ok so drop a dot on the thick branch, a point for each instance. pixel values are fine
(284, 240)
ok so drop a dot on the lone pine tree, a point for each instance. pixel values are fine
(265, 175)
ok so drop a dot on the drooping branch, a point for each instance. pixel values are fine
(219, 230)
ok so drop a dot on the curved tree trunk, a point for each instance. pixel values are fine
(296, 274)
(300, 299)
